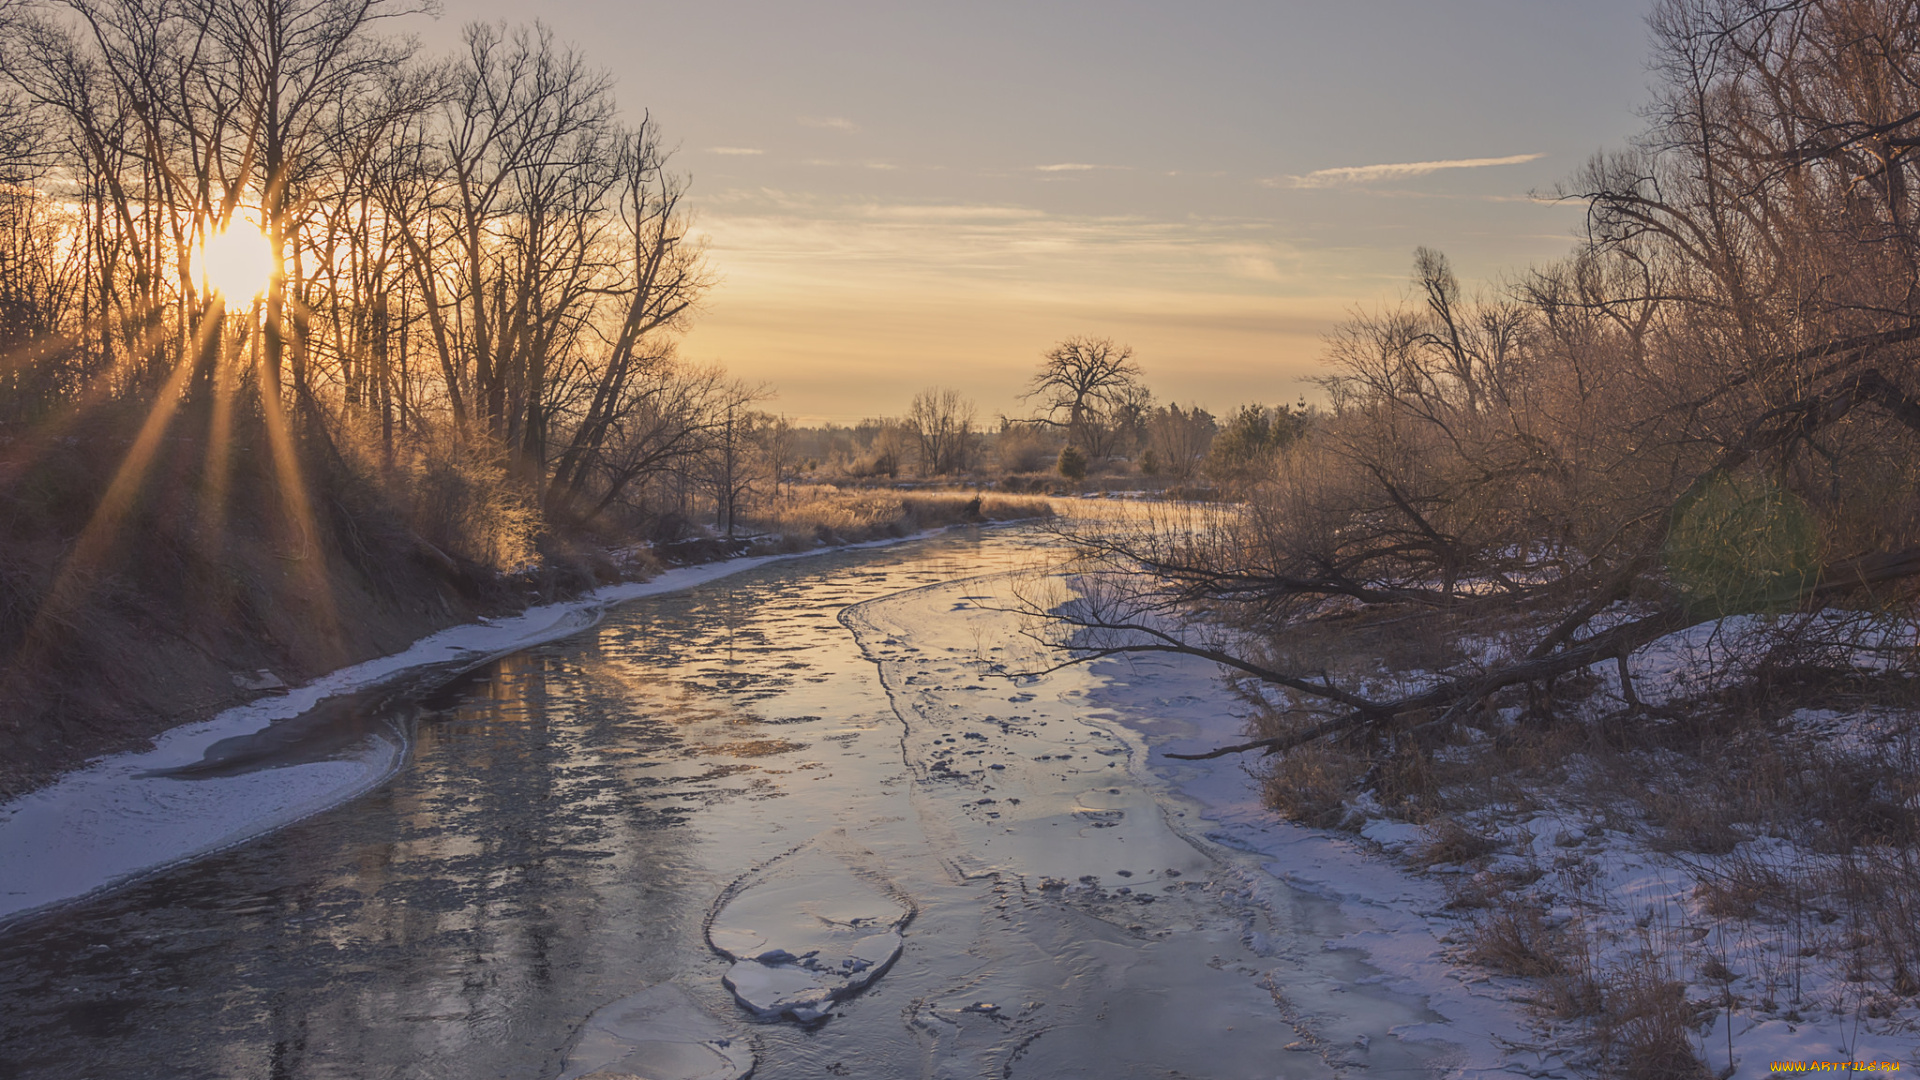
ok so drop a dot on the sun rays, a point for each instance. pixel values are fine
(218, 377)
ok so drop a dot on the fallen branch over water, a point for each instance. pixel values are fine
(1457, 697)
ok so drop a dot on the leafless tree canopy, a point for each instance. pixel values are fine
(1178, 440)
(1091, 388)
(479, 245)
(1708, 410)
(942, 425)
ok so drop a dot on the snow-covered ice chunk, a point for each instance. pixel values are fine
(804, 933)
(775, 990)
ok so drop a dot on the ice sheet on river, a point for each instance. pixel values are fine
(213, 784)
(804, 932)
(1118, 939)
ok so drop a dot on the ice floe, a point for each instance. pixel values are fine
(660, 1033)
(805, 932)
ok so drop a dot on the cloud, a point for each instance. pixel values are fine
(742, 151)
(837, 123)
(839, 163)
(913, 212)
(1065, 166)
(1366, 174)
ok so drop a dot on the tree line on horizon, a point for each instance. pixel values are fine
(1092, 415)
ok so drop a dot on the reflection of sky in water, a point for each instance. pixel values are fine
(571, 814)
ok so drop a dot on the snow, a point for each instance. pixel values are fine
(1631, 901)
(1181, 706)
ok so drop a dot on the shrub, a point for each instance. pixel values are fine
(1516, 941)
(464, 504)
(1022, 449)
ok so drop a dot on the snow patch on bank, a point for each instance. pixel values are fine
(113, 820)
(1629, 899)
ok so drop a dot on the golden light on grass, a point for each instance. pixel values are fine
(237, 262)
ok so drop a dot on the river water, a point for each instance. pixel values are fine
(797, 762)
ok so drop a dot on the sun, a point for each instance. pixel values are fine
(237, 262)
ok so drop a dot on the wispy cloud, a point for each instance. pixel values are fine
(824, 293)
(1065, 166)
(838, 163)
(788, 241)
(1367, 174)
(943, 213)
(836, 123)
(739, 151)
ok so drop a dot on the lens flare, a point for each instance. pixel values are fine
(237, 262)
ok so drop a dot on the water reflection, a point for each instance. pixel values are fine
(539, 855)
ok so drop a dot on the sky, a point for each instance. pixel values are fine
(897, 196)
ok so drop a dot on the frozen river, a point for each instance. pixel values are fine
(786, 821)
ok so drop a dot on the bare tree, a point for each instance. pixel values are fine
(297, 66)
(1178, 440)
(774, 436)
(884, 443)
(480, 243)
(942, 425)
(676, 421)
(655, 280)
(1090, 387)
(1586, 465)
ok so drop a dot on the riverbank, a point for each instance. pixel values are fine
(1696, 873)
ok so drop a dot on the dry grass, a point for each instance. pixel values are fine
(830, 515)
(459, 498)
(1645, 1027)
(1881, 892)
(1451, 841)
(1310, 785)
(1489, 887)
(1516, 940)
(1740, 887)
(1694, 821)
(218, 564)
(1639, 1018)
